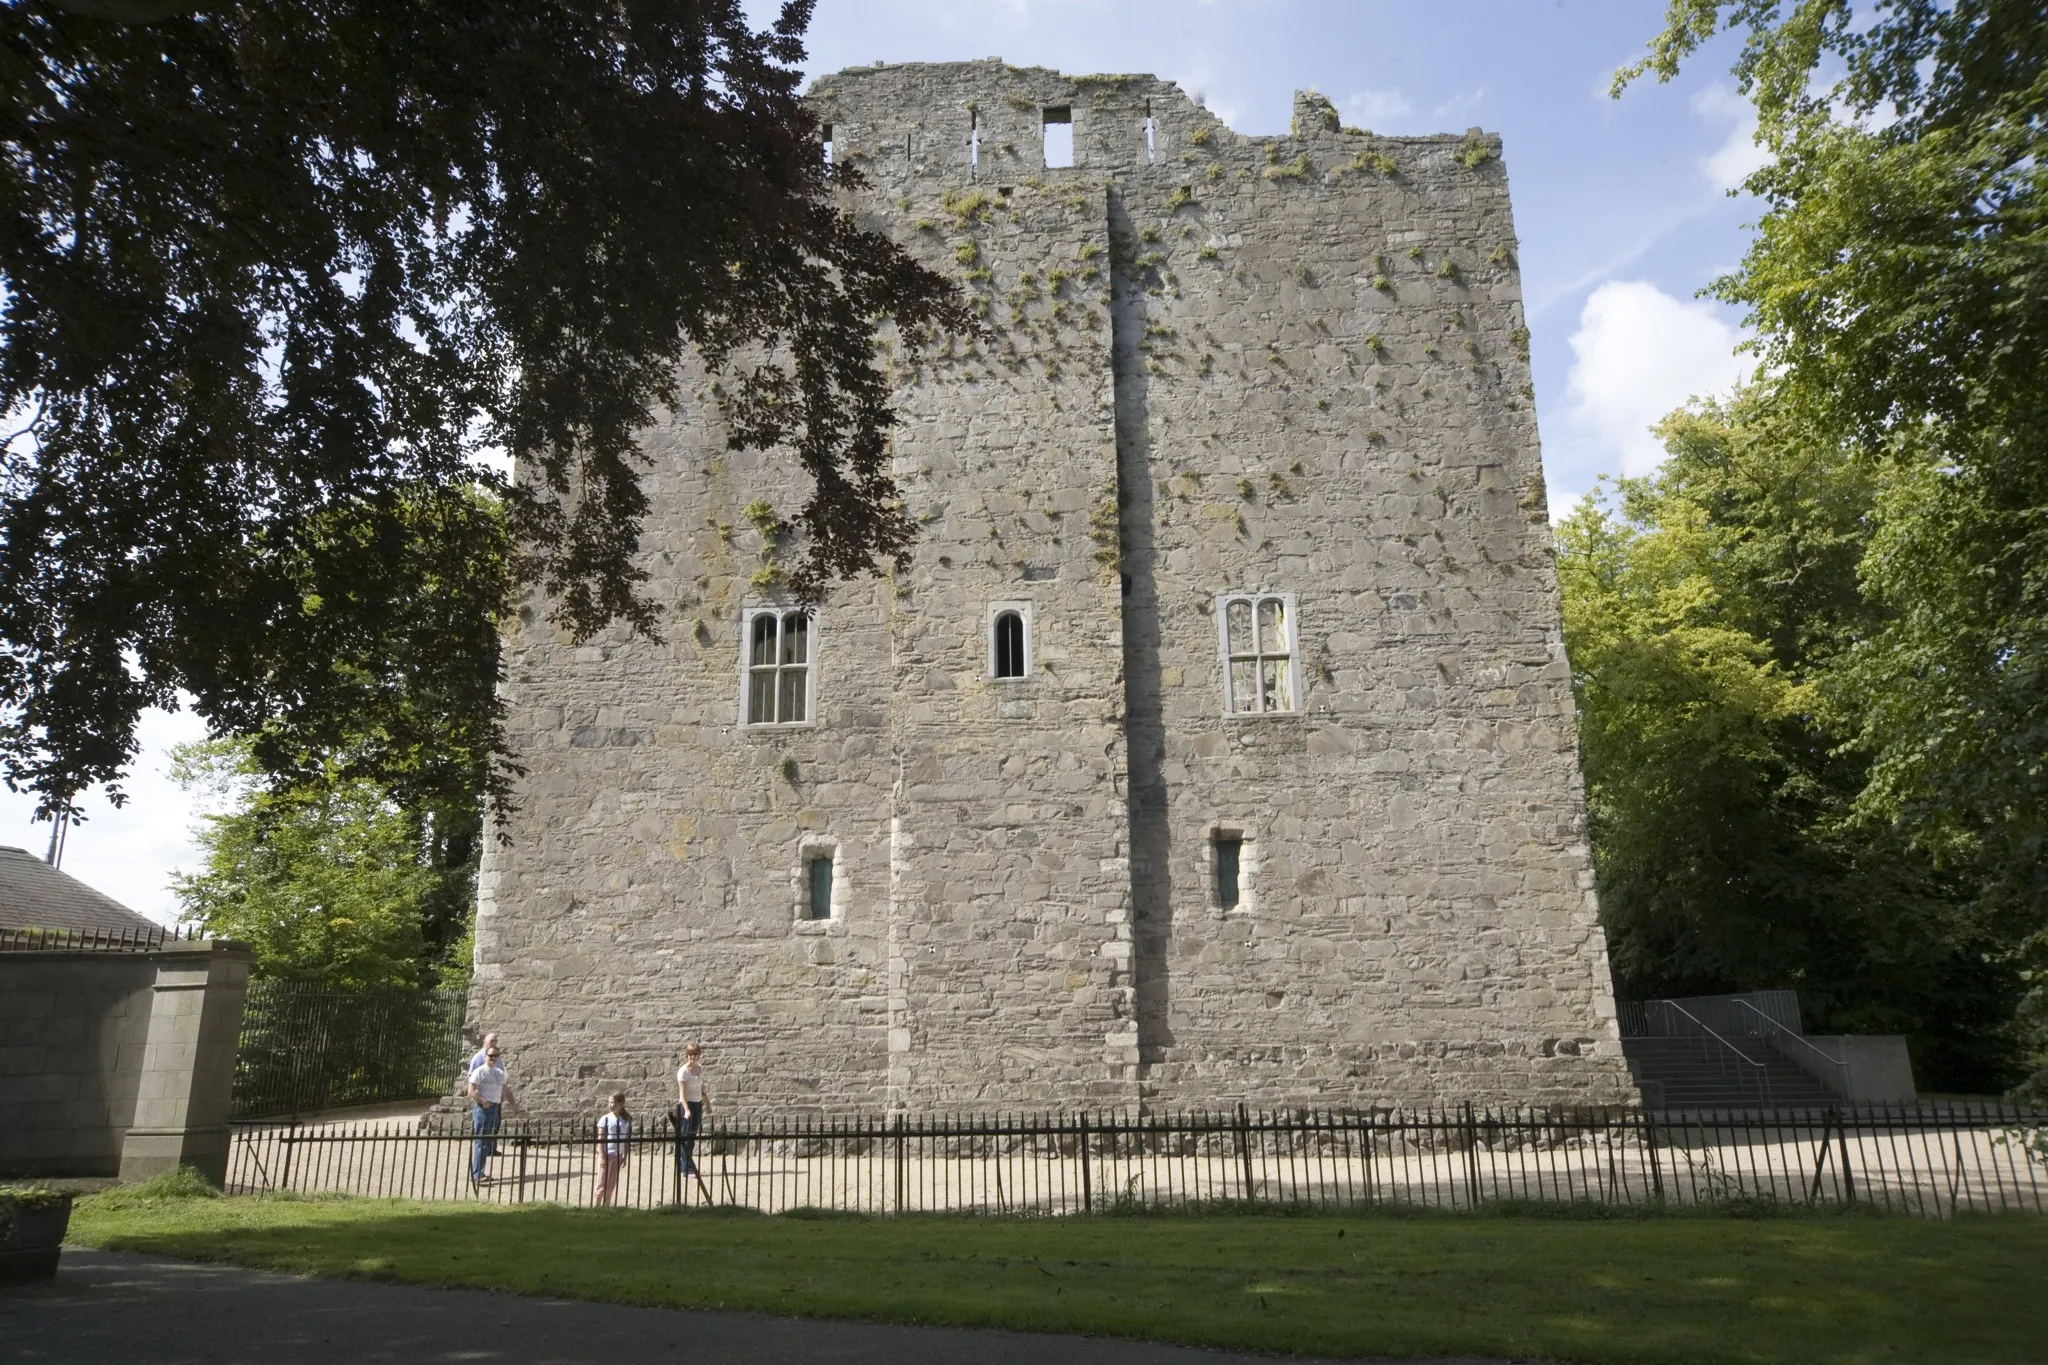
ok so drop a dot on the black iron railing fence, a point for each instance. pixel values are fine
(1911, 1159)
(307, 1047)
(125, 940)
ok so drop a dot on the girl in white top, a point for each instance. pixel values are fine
(614, 1131)
(690, 1115)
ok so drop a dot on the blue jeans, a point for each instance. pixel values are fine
(483, 1121)
(689, 1117)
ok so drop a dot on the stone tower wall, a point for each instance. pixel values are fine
(1215, 365)
(1326, 389)
(1010, 904)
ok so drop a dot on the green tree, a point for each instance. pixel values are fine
(1897, 289)
(1708, 611)
(331, 882)
(274, 275)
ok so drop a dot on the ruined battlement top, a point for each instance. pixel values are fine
(989, 117)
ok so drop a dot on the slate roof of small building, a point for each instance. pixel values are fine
(35, 895)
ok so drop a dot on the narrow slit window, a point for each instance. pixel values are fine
(1059, 136)
(778, 683)
(1009, 645)
(1229, 870)
(1260, 674)
(973, 145)
(828, 144)
(818, 887)
(1151, 136)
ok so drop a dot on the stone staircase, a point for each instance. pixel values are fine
(1679, 1073)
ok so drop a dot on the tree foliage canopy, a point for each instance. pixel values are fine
(1710, 610)
(1898, 285)
(1897, 288)
(331, 881)
(274, 276)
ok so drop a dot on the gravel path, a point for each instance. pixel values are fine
(149, 1310)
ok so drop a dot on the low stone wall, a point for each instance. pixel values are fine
(118, 1063)
(72, 1031)
(1880, 1071)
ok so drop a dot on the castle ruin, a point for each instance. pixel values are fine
(1219, 743)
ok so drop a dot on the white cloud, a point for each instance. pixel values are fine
(1372, 108)
(1231, 112)
(1639, 353)
(1547, 295)
(1199, 81)
(1460, 105)
(129, 852)
(1562, 501)
(1730, 164)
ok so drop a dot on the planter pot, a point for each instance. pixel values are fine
(31, 1234)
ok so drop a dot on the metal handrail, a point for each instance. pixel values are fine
(1775, 1030)
(1758, 1071)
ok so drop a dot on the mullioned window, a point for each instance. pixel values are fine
(1261, 654)
(776, 681)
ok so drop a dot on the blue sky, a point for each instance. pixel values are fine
(1621, 207)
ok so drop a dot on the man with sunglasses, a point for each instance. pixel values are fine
(490, 1041)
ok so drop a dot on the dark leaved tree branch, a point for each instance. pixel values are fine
(275, 275)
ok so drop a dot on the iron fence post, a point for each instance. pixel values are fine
(899, 1161)
(290, 1144)
(1471, 1158)
(1842, 1146)
(1244, 1149)
(1820, 1159)
(522, 1141)
(1087, 1188)
(1372, 1193)
(1650, 1145)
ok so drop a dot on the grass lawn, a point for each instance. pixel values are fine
(1803, 1288)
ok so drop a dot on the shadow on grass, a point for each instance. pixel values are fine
(1749, 1282)
(166, 1191)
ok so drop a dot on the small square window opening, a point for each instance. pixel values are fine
(1059, 137)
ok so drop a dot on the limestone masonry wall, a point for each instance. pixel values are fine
(1220, 365)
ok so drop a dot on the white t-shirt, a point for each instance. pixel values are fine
(690, 1078)
(612, 1132)
(489, 1082)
